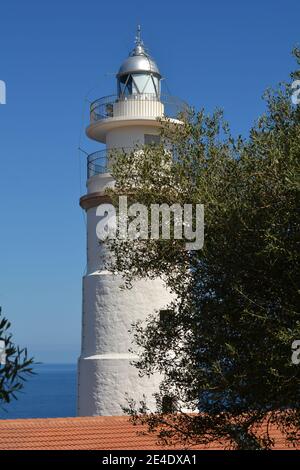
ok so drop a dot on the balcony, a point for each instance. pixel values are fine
(100, 162)
(97, 163)
(143, 105)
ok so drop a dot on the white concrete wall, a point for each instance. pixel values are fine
(105, 374)
(99, 183)
(103, 383)
(129, 136)
(110, 311)
(138, 108)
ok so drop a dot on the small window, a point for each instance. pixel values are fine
(165, 316)
(168, 404)
(151, 139)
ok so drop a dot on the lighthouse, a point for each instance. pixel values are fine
(124, 121)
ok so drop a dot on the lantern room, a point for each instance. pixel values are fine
(139, 74)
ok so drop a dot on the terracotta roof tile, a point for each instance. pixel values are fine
(91, 433)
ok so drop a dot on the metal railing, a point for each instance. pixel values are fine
(101, 161)
(97, 163)
(166, 106)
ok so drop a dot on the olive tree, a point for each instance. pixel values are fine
(224, 349)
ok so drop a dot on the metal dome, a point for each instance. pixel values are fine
(139, 60)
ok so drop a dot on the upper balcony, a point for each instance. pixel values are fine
(139, 108)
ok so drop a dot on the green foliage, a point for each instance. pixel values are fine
(17, 367)
(236, 310)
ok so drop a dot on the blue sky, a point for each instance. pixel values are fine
(212, 54)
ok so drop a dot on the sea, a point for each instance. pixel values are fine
(50, 393)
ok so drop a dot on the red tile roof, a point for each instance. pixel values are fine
(90, 433)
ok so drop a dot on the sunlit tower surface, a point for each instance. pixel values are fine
(124, 121)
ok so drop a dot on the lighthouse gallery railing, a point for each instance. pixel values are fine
(101, 161)
(110, 106)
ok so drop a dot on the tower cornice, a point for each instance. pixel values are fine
(88, 201)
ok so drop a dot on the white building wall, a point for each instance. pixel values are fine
(105, 371)
(129, 136)
(138, 107)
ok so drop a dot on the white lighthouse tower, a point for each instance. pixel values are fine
(124, 121)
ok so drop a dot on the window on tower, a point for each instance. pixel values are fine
(151, 139)
(168, 404)
(147, 86)
(125, 85)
